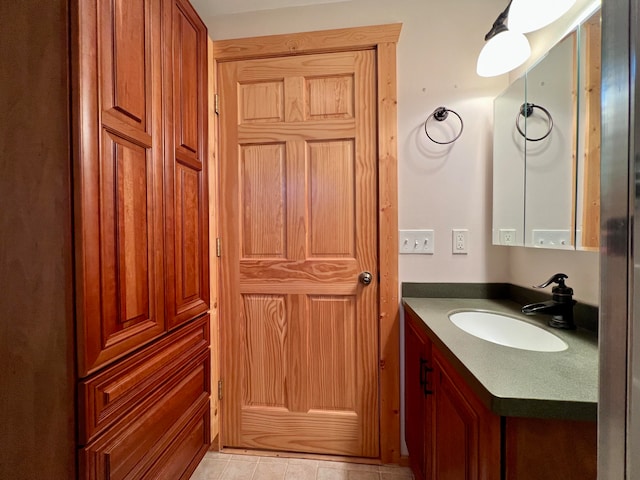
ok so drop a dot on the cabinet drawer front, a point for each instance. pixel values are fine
(137, 443)
(132, 384)
(184, 454)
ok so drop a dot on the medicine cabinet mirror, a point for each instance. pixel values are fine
(546, 158)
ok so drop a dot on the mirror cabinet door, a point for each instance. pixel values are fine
(546, 161)
(551, 128)
(508, 168)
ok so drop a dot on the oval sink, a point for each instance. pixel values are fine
(507, 331)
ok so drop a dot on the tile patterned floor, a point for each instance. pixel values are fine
(225, 466)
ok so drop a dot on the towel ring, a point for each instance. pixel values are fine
(526, 110)
(441, 114)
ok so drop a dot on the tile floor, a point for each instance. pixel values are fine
(226, 466)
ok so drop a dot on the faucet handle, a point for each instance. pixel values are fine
(557, 278)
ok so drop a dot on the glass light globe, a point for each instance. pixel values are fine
(529, 15)
(502, 53)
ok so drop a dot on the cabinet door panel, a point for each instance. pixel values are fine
(465, 434)
(118, 169)
(187, 243)
(455, 432)
(415, 355)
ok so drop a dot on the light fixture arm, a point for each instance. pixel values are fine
(500, 25)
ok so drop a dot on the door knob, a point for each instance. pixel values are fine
(365, 278)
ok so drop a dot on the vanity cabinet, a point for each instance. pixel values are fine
(452, 435)
(141, 238)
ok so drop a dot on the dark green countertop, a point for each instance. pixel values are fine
(513, 382)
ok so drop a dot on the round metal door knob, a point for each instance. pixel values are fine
(365, 278)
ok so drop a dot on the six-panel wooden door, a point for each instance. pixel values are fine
(299, 208)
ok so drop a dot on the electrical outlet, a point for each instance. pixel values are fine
(417, 242)
(507, 236)
(460, 240)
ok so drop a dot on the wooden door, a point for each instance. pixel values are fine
(298, 209)
(187, 225)
(118, 173)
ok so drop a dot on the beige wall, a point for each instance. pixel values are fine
(440, 188)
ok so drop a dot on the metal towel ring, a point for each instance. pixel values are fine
(441, 114)
(526, 110)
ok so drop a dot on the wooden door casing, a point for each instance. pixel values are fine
(187, 223)
(118, 169)
(298, 202)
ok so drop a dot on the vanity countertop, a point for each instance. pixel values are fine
(510, 381)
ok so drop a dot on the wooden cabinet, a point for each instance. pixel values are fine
(118, 180)
(451, 435)
(157, 401)
(187, 255)
(141, 237)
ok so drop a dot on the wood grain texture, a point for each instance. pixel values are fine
(213, 235)
(591, 181)
(186, 182)
(130, 387)
(118, 172)
(383, 39)
(132, 449)
(389, 325)
(309, 42)
(263, 193)
(332, 198)
(540, 448)
(322, 185)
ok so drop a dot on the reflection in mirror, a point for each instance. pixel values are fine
(588, 195)
(508, 168)
(550, 148)
(546, 193)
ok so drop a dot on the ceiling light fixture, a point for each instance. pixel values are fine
(504, 50)
(528, 15)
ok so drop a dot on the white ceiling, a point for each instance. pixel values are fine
(212, 8)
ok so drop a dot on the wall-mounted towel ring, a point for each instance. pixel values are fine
(526, 110)
(441, 114)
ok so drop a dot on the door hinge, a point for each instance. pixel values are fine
(218, 247)
(219, 389)
(216, 103)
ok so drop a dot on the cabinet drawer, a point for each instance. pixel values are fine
(128, 388)
(170, 427)
(183, 456)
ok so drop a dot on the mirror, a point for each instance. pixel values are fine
(546, 148)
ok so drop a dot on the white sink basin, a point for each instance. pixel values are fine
(508, 331)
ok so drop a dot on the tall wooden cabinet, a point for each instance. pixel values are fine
(141, 237)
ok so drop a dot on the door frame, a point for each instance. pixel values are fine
(382, 39)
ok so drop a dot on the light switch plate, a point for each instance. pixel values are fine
(419, 242)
